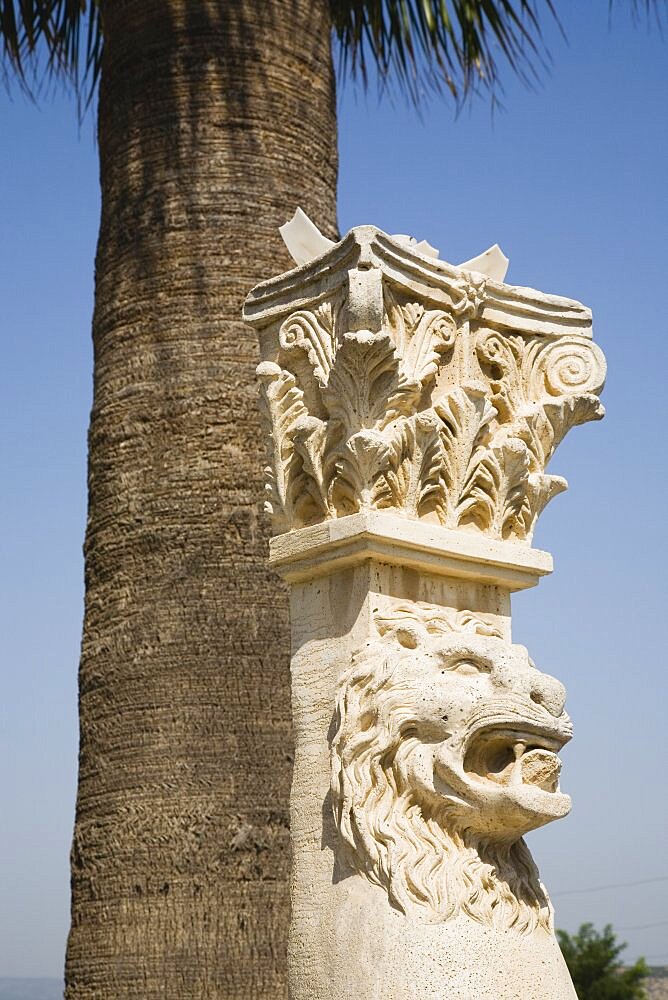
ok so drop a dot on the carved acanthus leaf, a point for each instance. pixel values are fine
(400, 475)
(283, 402)
(364, 419)
(360, 481)
(570, 411)
(540, 389)
(494, 498)
(500, 359)
(366, 388)
(448, 435)
(421, 337)
(541, 489)
(313, 332)
(310, 489)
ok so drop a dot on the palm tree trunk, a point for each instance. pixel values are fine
(215, 121)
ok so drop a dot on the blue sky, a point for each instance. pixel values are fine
(570, 179)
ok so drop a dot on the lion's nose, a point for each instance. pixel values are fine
(548, 692)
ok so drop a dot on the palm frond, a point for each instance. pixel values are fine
(457, 44)
(436, 43)
(43, 39)
(654, 11)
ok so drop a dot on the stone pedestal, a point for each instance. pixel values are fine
(412, 408)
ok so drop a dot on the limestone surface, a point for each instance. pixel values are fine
(411, 409)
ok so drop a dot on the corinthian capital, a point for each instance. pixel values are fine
(395, 382)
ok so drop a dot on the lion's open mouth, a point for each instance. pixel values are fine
(512, 757)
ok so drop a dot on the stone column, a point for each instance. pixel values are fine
(411, 410)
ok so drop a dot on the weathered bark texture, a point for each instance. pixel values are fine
(215, 121)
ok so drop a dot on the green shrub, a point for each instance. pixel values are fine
(592, 958)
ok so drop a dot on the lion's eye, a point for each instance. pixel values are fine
(469, 667)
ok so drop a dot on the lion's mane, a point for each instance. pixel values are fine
(428, 867)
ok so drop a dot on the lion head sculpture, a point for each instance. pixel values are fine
(444, 755)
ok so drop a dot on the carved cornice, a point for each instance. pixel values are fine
(392, 381)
